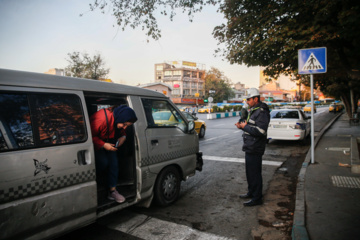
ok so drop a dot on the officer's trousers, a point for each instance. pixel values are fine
(253, 163)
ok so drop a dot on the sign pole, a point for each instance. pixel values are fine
(312, 119)
(310, 61)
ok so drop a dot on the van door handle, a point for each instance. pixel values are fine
(83, 157)
(154, 142)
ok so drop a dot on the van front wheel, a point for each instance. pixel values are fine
(167, 186)
(202, 132)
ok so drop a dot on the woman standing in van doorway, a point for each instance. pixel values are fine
(105, 125)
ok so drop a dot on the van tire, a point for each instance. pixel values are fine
(202, 132)
(167, 186)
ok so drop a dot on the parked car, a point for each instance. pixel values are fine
(185, 109)
(205, 110)
(335, 108)
(288, 124)
(307, 108)
(200, 126)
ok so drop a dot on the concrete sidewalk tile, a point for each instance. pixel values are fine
(331, 192)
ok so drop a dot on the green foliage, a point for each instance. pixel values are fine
(215, 80)
(84, 66)
(141, 13)
(269, 33)
(227, 108)
(237, 108)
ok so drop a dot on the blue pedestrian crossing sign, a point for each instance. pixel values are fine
(312, 60)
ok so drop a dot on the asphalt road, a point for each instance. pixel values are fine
(209, 206)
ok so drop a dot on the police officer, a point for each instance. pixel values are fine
(255, 138)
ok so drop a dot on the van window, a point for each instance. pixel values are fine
(2, 142)
(38, 120)
(15, 122)
(160, 113)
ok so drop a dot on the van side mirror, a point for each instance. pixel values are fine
(191, 126)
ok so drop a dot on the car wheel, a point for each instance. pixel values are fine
(167, 186)
(202, 132)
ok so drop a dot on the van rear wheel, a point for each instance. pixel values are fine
(167, 186)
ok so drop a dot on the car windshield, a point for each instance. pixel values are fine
(284, 114)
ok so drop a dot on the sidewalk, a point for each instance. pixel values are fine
(328, 194)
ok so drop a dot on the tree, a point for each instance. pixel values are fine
(215, 80)
(269, 33)
(142, 13)
(84, 66)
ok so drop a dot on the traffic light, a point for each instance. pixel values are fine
(205, 100)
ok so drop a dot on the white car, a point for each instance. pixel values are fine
(288, 124)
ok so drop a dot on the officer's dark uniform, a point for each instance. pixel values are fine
(255, 138)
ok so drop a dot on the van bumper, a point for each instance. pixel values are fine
(199, 161)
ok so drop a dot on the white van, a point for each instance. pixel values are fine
(48, 182)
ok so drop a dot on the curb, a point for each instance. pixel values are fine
(223, 115)
(355, 160)
(299, 231)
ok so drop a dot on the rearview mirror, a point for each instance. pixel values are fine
(191, 126)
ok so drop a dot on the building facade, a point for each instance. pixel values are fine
(158, 87)
(187, 80)
(56, 71)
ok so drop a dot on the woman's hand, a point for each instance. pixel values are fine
(109, 147)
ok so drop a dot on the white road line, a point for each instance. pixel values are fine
(214, 138)
(219, 125)
(146, 227)
(239, 160)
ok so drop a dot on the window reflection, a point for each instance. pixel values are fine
(160, 113)
(34, 120)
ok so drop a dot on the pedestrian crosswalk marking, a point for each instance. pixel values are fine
(239, 160)
(149, 228)
(347, 182)
(312, 63)
(340, 149)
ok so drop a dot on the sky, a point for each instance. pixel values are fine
(37, 35)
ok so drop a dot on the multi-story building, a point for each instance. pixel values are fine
(281, 89)
(239, 90)
(158, 87)
(185, 78)
(56, 71)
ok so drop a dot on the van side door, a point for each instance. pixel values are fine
(47, 169)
